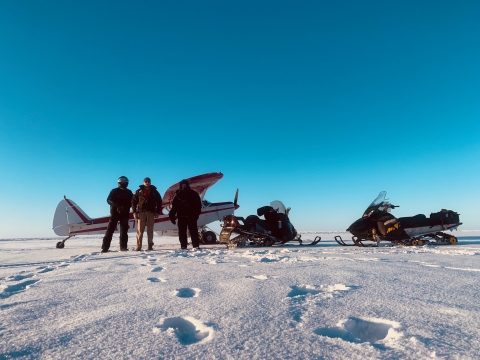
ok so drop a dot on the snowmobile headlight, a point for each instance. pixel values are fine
(229, 221)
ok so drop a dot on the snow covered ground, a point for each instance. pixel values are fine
(285, 302)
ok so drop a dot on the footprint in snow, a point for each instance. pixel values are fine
(327, 290)
(78, 257)
(19, 277)
(16, 288)
(150, 261)
(7, 306)
(378, 332)
(187, 330)
(155, 280)
(258, 277)
(46, 269)
(312, 294)
(156, 269)
(187, 292)
(267, 257)
(302, 290)
(179, 253)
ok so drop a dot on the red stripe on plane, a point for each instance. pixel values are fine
(158, 220)
(101, 220)
(166, 218)
(207, 212)
(84, 219)
(225, 203)
(88, 230)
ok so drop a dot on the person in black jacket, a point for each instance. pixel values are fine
(120, 200)
(186, 206)
(146, 206)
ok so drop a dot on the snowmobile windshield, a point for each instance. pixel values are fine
(278, 206)
(376, 203)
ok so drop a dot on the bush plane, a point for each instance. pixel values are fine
(70, 220)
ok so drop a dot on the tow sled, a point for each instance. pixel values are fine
(377, 224)
(276, 229)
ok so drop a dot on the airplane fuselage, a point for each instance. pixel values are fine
(163, 226)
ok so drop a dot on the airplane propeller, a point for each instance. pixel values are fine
(235, 200)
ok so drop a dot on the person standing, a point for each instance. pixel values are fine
(119, 200)
(186, 206)
(146, 206)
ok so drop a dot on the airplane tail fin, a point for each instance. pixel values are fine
(68, 212)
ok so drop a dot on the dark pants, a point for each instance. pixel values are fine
(112, 224)
(191, 224)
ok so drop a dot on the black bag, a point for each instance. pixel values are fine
(444, 217)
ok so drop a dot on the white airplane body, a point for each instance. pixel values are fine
(70, 220)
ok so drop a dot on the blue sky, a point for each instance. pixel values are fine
(319, 104)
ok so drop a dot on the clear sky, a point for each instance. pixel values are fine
(320, 104)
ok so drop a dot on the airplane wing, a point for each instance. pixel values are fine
(199, 183)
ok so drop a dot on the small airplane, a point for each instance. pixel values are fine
(70, 220)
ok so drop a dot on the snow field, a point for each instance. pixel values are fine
(286, 302)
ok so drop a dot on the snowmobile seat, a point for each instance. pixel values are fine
(253, 221)
(419, 220)
(264, 210)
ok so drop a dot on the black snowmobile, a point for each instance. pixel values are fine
(254, 231)
(377, 224)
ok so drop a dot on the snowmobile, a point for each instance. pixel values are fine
(377, 224)
(274, 229)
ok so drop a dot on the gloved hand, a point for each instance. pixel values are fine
(172, 218)
(135, 215)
